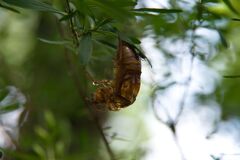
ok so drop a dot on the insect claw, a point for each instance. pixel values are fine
(95, 84)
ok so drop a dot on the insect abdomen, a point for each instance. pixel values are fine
(128, 73)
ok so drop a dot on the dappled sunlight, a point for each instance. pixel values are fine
(184, 98)
(64, 71)
(200, 132)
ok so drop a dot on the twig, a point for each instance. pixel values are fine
(75, 76)
(74, 32)
(158, 117)
(76, 79)
(179, 147)
(172, 126)
(186, 92)
(188, 83)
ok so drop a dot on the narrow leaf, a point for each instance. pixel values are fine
(108, 44)
(135, 40)
(230, 6)
(235, 19)
(103, 22)
(54, 42)
(157, 10)
(112, 8)
(131, 43)
(68, 16)
(3, 94)
(85, 48)
(130, 40)
(33, 4)
(223, 40)
(9, 8)
(9, 108)
(142, 55)
(231, 76)
(106, 32)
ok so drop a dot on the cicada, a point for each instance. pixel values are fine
(123, 89)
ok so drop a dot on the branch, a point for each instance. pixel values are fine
(76, 79)
(172, 126)
(74, 73)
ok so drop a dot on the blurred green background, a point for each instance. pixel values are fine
(58, 124)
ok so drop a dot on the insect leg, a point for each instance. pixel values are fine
(103, 83)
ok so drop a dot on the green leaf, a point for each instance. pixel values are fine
(131, 43)
(157, 10)
(3, 94)
(223, 40)
(9, 108)
(9, 8)
(42, 132)
(54, 42)
(112, 9)
(68, 16)
(106, 33)
(235, 19)
(230, 6)
(231, 76)
(135, 40)
(130, 40)
(85, 48)
(33, 4)
(108, 44)
(49, 118)
(20, 155)
(39, 150)
(103, 22)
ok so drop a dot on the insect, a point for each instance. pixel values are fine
(123, 89)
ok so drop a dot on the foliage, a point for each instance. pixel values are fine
(89, 30)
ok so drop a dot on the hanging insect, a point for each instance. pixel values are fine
(122, 91)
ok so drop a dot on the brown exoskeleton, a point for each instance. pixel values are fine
(122, 91)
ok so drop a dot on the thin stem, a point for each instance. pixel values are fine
(76, 79)
(75, 76)
(74, 32)
(186, 91)
(158, 117)
(179, 147)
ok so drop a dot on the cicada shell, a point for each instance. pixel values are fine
(122, 91)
